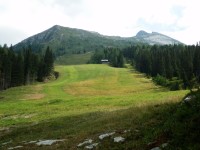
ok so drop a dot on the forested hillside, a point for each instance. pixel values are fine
(176, 63)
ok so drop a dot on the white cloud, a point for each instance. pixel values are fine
(178, 19)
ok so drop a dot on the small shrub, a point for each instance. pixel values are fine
(56, 74)
(160, 80)
(174, 86)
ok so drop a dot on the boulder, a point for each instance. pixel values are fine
(91, 146)
(87, 141)
(47, 142)
(156, 148)
(101, 137)
(119, 139)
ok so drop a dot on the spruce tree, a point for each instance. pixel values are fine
(48, 62)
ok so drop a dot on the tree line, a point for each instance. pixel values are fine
(175, 64)
(113, 55)
(24, 67)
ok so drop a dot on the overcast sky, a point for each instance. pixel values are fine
(176, 18)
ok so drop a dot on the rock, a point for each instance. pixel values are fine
(156, 148)
(32, 142)
(4, 128)
(16, 147)
(125, 131)
(87, 141)
(101, 137)
(119, 139)
(7, 142)
(189, 99)
(48, 142)
(164, 145)
(136, 130)
(152, 144)
(24, 141)
(91, 146)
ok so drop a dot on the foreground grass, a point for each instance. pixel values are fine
(85, 101)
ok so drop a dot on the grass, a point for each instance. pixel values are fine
(84, 102)
(74, 59)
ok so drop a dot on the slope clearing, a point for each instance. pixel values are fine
(74, 59)
(85, 101)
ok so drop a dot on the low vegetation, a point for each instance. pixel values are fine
(73, 59)
(88, 100)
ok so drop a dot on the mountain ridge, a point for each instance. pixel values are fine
(64, 40)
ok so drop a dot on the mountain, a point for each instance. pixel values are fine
(64, 40)
(155, 38)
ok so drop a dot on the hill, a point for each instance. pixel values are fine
(64, 40)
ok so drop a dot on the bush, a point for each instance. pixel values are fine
(160, 80)
(56, 74)
(174, 86)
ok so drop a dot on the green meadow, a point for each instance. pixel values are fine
(73, 59)
(84, 102)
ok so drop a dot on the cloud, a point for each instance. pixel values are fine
(160, 27)
(178, 10)
(109, 17)
(9, 34)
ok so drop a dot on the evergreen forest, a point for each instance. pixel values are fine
(24, 67)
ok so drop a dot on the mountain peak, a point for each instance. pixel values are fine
(142, 33)
(55, 27)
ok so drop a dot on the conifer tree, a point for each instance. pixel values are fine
(48, 61)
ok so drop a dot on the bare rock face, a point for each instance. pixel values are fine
(155, 38)
(141, 34)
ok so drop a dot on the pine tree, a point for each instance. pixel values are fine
(168, 65)
(48, 61)
(196, 64)
(27, 65)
